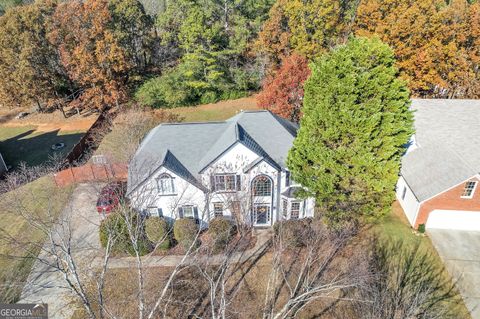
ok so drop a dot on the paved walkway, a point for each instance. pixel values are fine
(263, 237)
(460, 252)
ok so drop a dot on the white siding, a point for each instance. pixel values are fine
(148, 197)
(407, 200)
(233, 161)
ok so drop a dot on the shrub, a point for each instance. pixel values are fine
(293, 233)
(185, 230)
(421, 228)
(221, 230)
(116, 226)
(209, 97)
(158, 232)
(166, 91)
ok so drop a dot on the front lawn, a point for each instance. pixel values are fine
(396, 226)
(27, 144)
(35, 198)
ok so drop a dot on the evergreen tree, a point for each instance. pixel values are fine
(352, 135)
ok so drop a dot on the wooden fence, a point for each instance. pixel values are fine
(86, 141)
(91, 173)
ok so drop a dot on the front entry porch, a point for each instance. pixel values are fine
(262, 215)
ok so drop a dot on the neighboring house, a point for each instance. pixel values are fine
(234, 168)
(439, 178)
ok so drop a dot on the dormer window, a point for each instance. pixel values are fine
(469, 189)
(165, 184)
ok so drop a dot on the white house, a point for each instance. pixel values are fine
(235, 168)
(440, 171)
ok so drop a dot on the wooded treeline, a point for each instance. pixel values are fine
(99, 53)
(436, 42)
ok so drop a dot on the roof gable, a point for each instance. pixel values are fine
(448, 147)
(191, 147)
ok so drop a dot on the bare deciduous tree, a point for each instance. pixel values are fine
(310, 273)
(406, 282)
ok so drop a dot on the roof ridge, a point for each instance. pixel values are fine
(290, 127)
(190, 123)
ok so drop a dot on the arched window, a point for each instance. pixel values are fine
(165, 184)
(262, 186)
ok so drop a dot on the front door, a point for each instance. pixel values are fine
(261, 215)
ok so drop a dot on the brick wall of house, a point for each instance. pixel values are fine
(449, 200)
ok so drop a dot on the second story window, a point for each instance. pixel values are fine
(469, 189)
(226, 182)
(165, 184)
(262, 186)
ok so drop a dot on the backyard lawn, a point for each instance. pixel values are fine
(216, 111)
(27, 144)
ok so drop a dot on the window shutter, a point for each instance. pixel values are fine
(160, 212)
(180, 212)
(195, 214)
(212, 182)
(173, 184)
(238, 181)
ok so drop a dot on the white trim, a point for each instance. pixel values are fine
(426, 200)
(268, 217)
(450, 188)
(473, 190)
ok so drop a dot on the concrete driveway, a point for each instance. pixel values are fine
(44, 284)
(460, 251)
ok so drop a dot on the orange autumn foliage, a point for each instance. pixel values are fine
(436, 44)
(90, 52)
(282, 92)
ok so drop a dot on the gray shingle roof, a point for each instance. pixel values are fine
(187, 148)
(448, 145)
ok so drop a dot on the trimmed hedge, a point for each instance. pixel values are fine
(293, 233)
(158, 232)
(221, 230)
(116, 226)
(185, 230)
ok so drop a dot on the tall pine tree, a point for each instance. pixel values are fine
(352, 135)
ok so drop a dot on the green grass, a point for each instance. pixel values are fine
(215, 112)
(35, 200)
(396, 227)
(25, 144)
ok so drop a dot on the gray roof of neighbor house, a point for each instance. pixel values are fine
(447, 148)
(188, 148)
